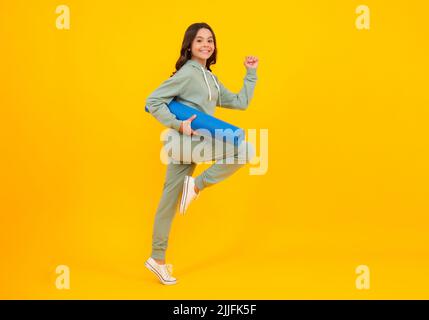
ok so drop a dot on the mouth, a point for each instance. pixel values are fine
(205, 51)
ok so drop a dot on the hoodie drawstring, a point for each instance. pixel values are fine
(207, 83)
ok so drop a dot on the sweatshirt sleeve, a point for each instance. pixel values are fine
(242, 99)
(158, 100)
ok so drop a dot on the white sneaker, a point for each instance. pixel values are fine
(162, 271)
(188, 193)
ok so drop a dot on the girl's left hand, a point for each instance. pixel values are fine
(251, 62)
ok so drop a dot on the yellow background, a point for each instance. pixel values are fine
(347, 184)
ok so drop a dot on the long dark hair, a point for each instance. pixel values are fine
(190, 35)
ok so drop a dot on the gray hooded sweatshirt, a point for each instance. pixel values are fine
(194, 85)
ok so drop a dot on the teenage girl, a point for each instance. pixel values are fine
(195, 85)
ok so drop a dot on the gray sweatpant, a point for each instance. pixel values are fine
(228, 159)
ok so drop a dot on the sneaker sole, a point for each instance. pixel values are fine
(184, 195)
(168, 283)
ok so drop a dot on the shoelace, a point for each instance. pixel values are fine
(169, 268)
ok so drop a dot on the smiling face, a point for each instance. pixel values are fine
(202, 46)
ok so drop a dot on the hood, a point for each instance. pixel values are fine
(204, 70)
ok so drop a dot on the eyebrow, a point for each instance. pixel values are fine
(203, 37)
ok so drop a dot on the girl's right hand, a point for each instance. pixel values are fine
(251, 62)
(185, 127)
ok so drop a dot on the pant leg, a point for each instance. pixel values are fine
(229, 159)
(168, 206)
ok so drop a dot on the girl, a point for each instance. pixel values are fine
(193, 84)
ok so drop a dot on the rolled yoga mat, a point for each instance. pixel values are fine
(205, 121)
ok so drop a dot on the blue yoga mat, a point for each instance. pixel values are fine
(205, 121)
